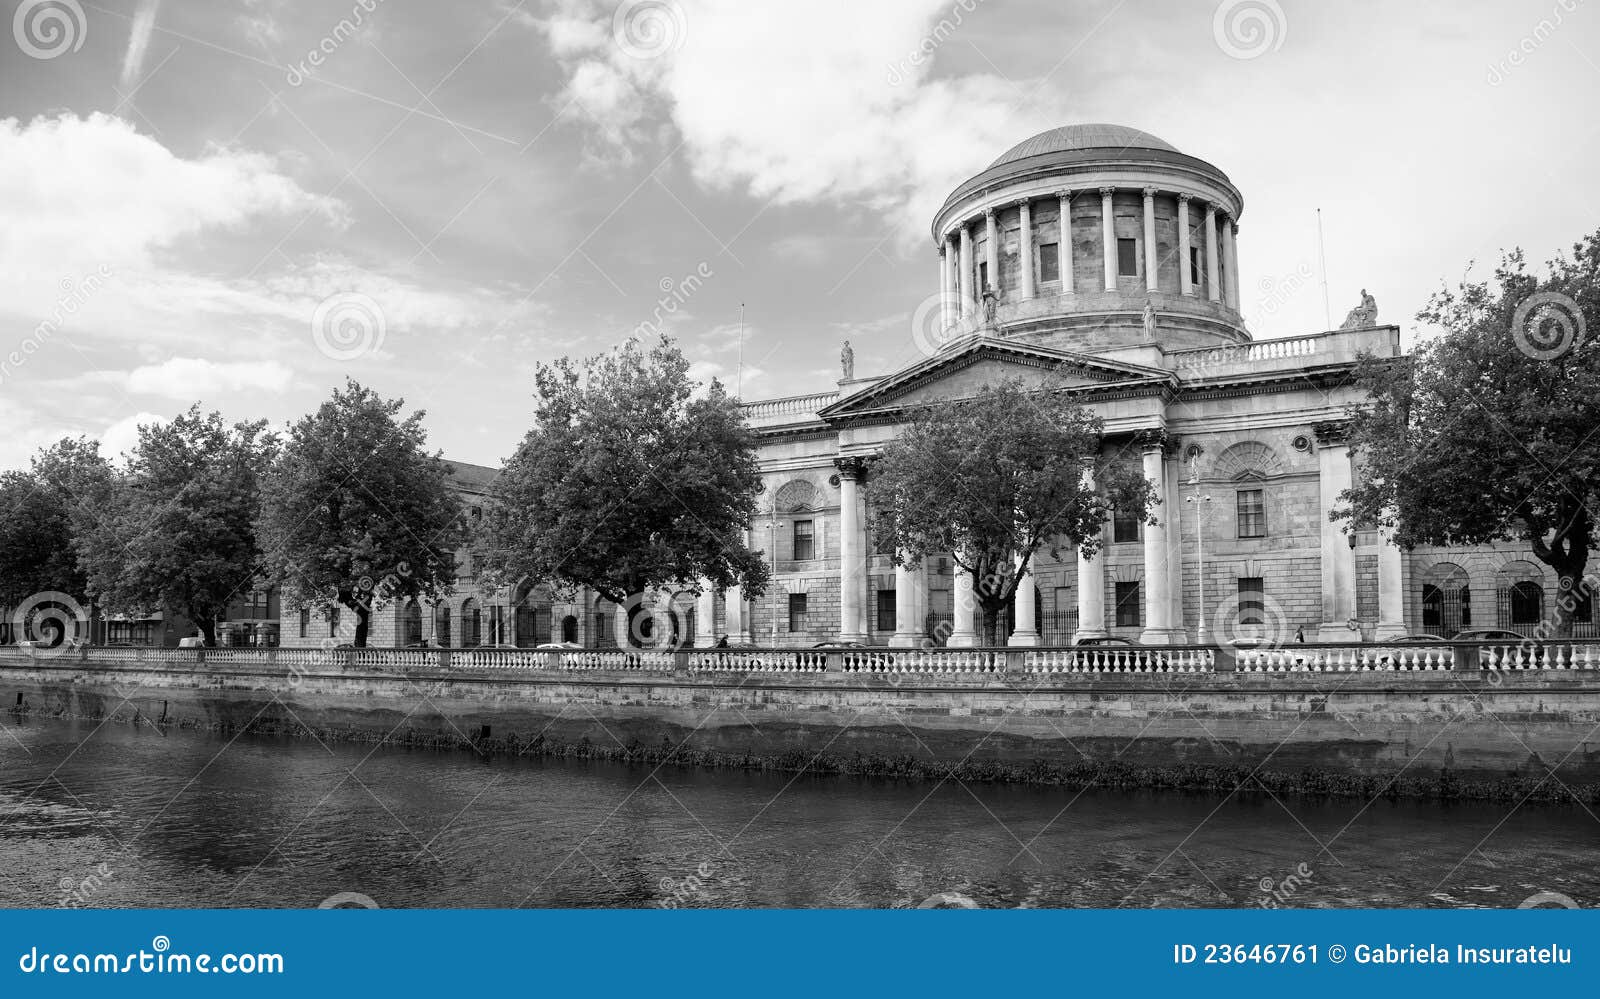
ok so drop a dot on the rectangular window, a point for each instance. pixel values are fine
(886, 611)
(1252, 513)
(983, 276)
(1049, 262)
(1124, 526)
(305, 622)
(1583, 609)
(1128, 257)
(797, 612)
(333, 623)
(805, 540)
(1194, 266)
(1252, 600)
(1128, 605)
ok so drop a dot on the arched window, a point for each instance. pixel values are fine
(1527, 603)
(471, 624)
(569, 629)
(441, 625)
(411, 625)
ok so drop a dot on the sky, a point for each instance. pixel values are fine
(240, 203)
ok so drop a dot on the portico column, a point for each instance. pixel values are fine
(1185, 274)
(1064, 242)
(1391, 589)
(963, 635)
(907, 580)
(1025, 250)
(852, 557)
(1213, 288)
(1091, 581)
(969, 303)
(991, 250)
(1158, 626)
(1150, 239)
(1108, 237)
(1230, 256)
(1027, 633)
(1338, 557)
(733, 617)
(705, 616)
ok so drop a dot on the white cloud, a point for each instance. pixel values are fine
(840, 106)
(123, 435)
(189, 377)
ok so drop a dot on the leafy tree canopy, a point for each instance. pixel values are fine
(36, 519)
(1487, 432)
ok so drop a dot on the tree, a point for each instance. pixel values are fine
(631, 479)
(178, 532)
(37, 510)
(994, 479)
(356, 512)
(1486, 433)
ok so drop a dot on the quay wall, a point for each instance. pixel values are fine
(1474, 723)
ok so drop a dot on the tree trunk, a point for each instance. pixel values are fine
(1572, 590)
(208, 630)
(363, 619)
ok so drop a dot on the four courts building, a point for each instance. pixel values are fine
(1102, 260)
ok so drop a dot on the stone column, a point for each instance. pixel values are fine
(1091, 582)
(705, 616)
(1025, 249)
(1108, 237)
(733, 615)
(1185, 275)
(907, 626)
(1230, 257)
(969, 304)
(991, 255)
(964, 635)
(1064, 242)
(944, 289)
(1391, 589)
(1158, 626)
(1338, 557)
(1150, 271)
(952, 277)
(1027, 633)
(852, 554)
(1213, 289)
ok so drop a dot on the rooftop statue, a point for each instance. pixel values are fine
(1363, 315)
(847, 361)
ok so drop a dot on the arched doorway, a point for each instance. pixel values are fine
(569, 629)
(411, 625)
(1446, 600)
(532, 616)
(471, 624)
(441, 625)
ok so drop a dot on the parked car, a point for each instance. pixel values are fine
(1106, 640)
(1502, 637)
(1385, 655)
(549, 646)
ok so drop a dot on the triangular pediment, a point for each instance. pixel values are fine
(960, 371)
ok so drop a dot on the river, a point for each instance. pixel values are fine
(113, 815)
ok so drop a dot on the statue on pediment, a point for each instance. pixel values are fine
(1363, 315)
(847, 361)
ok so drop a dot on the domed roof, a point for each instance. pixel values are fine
(1091, 136)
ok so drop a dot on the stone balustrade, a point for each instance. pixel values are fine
(1246, 353)
(789, 409)
(1494, 659)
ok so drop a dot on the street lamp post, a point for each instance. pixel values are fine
(1201, 633)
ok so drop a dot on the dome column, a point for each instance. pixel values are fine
(968, 300)
(1108, 237)
(991, 255)
(1185, 272)
(1213, 286)
(1150, 239)
(944, 290)
(952, 282)
(1064, 242)
(1025, 249)
(1230, 261)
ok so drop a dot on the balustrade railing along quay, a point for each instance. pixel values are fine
(1553, 656)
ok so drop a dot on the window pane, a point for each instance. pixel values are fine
(1124, 526)
(1128, 257)
(1128, 605)
(804, 541)
(1049, 262)
(1252, 600)
(886, 610)
(1252, 513)
(797, 612)
(1194, 266)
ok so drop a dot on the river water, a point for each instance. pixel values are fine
(113, 815)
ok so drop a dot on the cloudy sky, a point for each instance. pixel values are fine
(239, 202)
